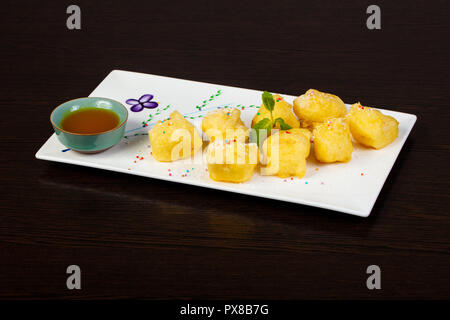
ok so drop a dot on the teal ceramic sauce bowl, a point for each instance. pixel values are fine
(89, 143)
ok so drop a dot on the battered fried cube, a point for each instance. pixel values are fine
(286, 152)
(224, 124)
(370, 127)
(282, 109)
(332, 141)
(316, 106)
(174, 138)
(231, 161)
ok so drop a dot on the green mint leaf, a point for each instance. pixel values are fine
(264, 124)
(283, 125)
(268, 101)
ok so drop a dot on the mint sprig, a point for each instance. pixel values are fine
(269, 101)
(283, 125)
(266, 123)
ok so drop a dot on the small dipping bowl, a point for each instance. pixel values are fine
(86, 142)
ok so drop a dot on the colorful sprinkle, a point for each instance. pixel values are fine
(65, 150)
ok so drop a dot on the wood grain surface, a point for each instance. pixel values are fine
(141, 238)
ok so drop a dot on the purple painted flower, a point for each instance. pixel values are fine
(143, 102)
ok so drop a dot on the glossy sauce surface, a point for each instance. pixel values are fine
(90, 121)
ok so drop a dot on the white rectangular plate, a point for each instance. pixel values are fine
(351, 187)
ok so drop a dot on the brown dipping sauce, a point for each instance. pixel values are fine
(90, 121)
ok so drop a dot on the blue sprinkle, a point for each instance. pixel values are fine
(65, 150)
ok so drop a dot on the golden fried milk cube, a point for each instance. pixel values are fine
(282, 109)
(174, 138)
(316, 106)
(231, 161)
(224, 124)
(285, 153)
(332, 141)
(370, 127)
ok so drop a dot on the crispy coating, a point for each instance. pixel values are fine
(316, 106)
(332, 141)
(224, 124)
(370, 127)
(286, 152)
(174, 138)
(231, 161)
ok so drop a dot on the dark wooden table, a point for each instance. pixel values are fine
(137, 237)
